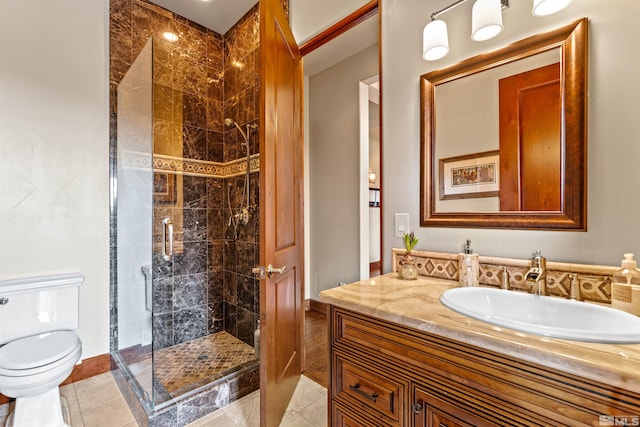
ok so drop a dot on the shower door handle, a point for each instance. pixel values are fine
(167, 239)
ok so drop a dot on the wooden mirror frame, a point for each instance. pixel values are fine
(572, 40)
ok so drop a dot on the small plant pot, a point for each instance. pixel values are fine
(408, 269)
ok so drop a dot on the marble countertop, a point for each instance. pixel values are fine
(416, 304)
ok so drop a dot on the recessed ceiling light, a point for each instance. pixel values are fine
(172, 37)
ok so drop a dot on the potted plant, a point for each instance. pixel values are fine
(408, 269)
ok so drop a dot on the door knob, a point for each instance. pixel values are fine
(267, 271)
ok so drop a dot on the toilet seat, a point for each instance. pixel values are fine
(30, 382)
(31, 355)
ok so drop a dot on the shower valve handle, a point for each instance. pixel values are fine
(267, 271)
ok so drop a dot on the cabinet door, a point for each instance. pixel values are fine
(427, 413)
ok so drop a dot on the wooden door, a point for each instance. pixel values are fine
(531, 140)
(281, 214)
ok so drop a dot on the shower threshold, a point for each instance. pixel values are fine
(185, 367)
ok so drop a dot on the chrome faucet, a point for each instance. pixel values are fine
(536, 277)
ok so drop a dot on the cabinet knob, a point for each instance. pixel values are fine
(416, 408)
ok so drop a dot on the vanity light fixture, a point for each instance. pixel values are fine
(435, 40)
(486, 23)
(486, 19)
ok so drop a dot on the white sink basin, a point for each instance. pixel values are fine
(547, 316)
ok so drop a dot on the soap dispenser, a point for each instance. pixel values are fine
(625, 286)
(468, 266)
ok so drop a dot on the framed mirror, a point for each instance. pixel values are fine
(504, 136)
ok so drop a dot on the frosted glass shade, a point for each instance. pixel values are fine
(435, 40)
(486, 19)
(548, 7)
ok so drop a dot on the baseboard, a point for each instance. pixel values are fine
(317, 306)
(88, 368)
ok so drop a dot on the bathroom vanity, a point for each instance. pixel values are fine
(401, 358)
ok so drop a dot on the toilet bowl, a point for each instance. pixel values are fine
(32, 366)
(31, 369)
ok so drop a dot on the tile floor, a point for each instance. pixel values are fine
(97, 402)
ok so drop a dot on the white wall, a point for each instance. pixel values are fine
(54, 150)
(333, 171)
(614, 128)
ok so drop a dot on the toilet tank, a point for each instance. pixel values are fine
(36, 305)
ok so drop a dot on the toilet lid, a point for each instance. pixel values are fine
(37, 350)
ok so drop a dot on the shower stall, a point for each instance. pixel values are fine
(184, 217)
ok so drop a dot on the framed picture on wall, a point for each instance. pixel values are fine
(470, 175)
(164, 187)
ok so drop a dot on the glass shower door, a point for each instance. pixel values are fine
(134, 224)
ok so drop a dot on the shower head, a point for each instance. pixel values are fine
(231, 123)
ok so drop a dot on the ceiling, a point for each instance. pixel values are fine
(217, 15)
(221, 15)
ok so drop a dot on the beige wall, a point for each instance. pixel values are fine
(333, 171)
(54, 150)
(613, 147)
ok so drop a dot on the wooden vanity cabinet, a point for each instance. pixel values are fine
(386, 374)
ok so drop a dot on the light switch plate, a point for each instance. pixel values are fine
(402, 224)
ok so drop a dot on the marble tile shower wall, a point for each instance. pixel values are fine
(198, 81)
(241, 103)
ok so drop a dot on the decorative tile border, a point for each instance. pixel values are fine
(178, 165)
(595, 280)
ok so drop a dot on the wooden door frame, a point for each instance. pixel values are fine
(365, 12)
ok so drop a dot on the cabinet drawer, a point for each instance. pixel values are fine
(342, 417)
(368, 385)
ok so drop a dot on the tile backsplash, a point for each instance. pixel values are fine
(595, 280)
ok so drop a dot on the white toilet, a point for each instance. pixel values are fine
(37, 346)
